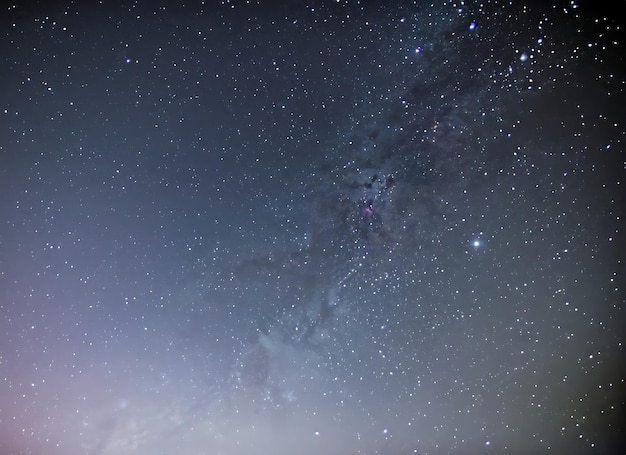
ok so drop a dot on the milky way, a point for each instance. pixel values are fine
(324, 227)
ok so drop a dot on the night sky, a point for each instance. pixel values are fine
(315, 227)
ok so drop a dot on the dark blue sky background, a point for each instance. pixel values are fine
(311, 227)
